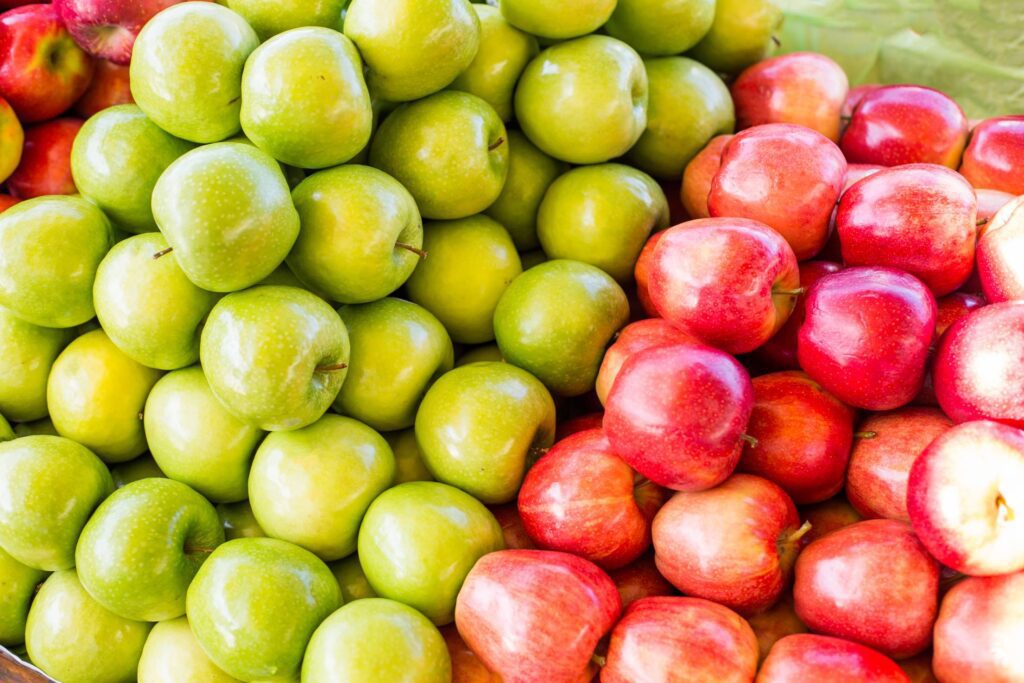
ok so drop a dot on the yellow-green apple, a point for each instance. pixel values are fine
(270, 17)
(661, 27)
(479, 354)
(110, 86)
(740, 35)
(12, 140)
(43, 426)
(45, 167)
(351, 579)
(142, 467)
(699, 174)
(20, 583)
(996, 146)
(633, 338)
(409, 464)
(560, 20)
(776, 623)
(640, 579)
(28, 352)
(238, 521)
(804, 656)
(172, 654)
(999, 253)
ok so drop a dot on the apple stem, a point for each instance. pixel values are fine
(408, 247)
(141, 415)
(599, 660)
(982, 222)
(1003, 509)
(790, 292)
(751, 441)
(799, 533)
(775, 39)
(162, 252)
(496, 144)
(198, 550)
(865, 435)
(333, 367)
(845, 119)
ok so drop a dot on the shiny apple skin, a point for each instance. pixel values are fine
(779, 352)
(642, 274)
(853, 98)
(953, 307)
(872, 582)
(512, 530)
(805, 657)
(45, 167)
(995, 155)
(640, 579)
(867, 335)
(1001, 254)
(699, 174)
(776, 623)
(578, 424)
(637, 336)
(989, 203)
(828, 516)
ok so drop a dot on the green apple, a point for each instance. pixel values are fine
(450, 151)
(413, 48)
(18, 583)
(584, 101)
(504, 53)
(689, 104)
(557, 20)
(255, 603)
(398, 350)
(311, 486)
(227, 212)
(375, 640)
(418, 542)
(351, 579)
(602, 215)
(556, 319)
(284, 277)
(481, 425)
(661, 27)
(37, 427)
(275, 357)
(142, 467)
(304, 101)
(6, 432)
(172, 655)
(28, 352)
(195, 440)
(116, 160)
(270, 17)
(470, 262)
(50, 248)
(147, 306)
(238, 521)
(361, 233)
(186, 70)
(485, 353)
(74, 639)
(409, 464)
(740, 35)
(96, 394)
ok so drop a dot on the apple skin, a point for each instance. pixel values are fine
(962, 495)
(642, 274)
(255, 603)
(920, 218)
(699, 174)
(74, 639)
(12, 140)
(640, 579)
(731, 282)
(680, 639)
(512, 530)
(583, 101)
(631, 339)
(977, 370)
(45, 167)
(872, 582)
(29, 352)
(171, 654)
(828, 516)
(376, 640)
(7, 201)
(106, 29)
(996, 147)
(803, 433)
(42, 71)
(311, 486)
(536, 615)
(409, 464)
(905, 124)
(20, 583)
(557, 21)
(775, 623)
(351, 579)
(803, 657)
(953, 307)
(740, 34)
(466, 666)
(999, 251)
(110, 86)
(142, 467)
(676, 414)
(583, 499)
(271, 17)
(238, 521)
(804, 171)
(750, 568)
(979, 630)
(989, 204)
(880, 462)
(661, 27)
(866, 336)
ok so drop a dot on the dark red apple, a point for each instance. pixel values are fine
(107, 28)
(110, 86)
(995, 155)
(776, 623)
(919, 668)
(7, 201)
(512, 530)
(45, 166)
(803, 657)
(640, 579)
(466, 666)
(698, 175)
(643, 334)
(952, 308)
(828, 516)
(1001, 254)
(580, 423)
(779, 352)
(641, 273)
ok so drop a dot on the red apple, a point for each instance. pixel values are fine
(905, 124)
(828, 516)
(803, 436)
(980, 629)
(536, 615)
(42, 71)
(854, 97)
(952, 308)
(1001, 254)
(786, 176)
(734, 544)
(11, 4)
(779, 352)
(7, 201)
(919, 668)
(642, 274)
(965, 497)
(873, 583)
(995, 155)
(889, 443)
(804, 88)
(730, 282)
(776, 623)
(107, 28)
(866, 336)
(643, 334)
(110, 86)
(803, 657)
(512, 530)
(676, 415)
(640, 579)
(698, 175)
(680, 640)
(856, 172)
(578, 424)
(45, 166)
(979, 367)
(466, 666)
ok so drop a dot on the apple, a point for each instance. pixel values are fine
(804, 88)
(999, 248)
(110, 86)
(853, 99)
(7, 201)
(255, 603)
(866, 336)
(116, 161)
(512, 529)
(107, 29)
(560, 339)
(242, 192)
(919, 668)
(567, 19)
(171, 654)
(271, 17)
(640, 579)
(195, 440)
(142, 467)
(583, 101)
(872, 582)
(775, 623)
(238, 521)
(276, 357)
(631, 339)
(786, 176)
(186, 70)
(989, 203)
(828, 516)
(880, 462)
(466, 666)
(28, 352)
(66, 628)
(996, 147)
(979, 629)
(409, 465)
(740, 35)
(661, 27)
(351, 579)
(20, 583)
(803, 435)
(42, 71)
(963, 495)
(12, 140)
(413, 48)
(804, 657)
(37, 427)
(583, 499)
(45, 167)
(480, 426)
(536, 615)
(905, 124)
(953, 307)
(699, 174)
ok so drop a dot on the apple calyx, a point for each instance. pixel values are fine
(162, 252)
(1004, 513)
(408, 247)
(333, 367)
(751, 441)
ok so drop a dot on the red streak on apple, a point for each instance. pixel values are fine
(804, 658)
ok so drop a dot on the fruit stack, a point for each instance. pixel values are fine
(365, 351)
